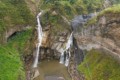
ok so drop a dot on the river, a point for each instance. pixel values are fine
(52, 70)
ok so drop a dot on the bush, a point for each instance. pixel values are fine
(100, 66)
(10, 64)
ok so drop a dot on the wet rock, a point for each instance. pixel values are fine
(54, 13)
(59, 46)
(54, 78)
(35, 74)
(62, 39)
(102, 20)
(46, 39)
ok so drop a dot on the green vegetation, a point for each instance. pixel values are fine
(73, 6)
(97, 65)
(115, 1)
(21, 40)
(91, 21)
(115, 9)
(100, 66)
(93, 5)
(11, 67)
(14, 13)
(55, 10)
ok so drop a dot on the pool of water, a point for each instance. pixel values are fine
(52, 70)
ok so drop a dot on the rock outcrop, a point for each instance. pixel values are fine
(51, 44)
(104, 33)
(10, 32)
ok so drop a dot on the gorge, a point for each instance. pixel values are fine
(59, 40)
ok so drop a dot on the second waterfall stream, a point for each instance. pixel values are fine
(40, 34)
(65, 53)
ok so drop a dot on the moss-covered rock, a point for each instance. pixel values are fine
(98, 65)
(15, 36)
(14, 13)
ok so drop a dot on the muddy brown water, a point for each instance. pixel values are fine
(52, 70)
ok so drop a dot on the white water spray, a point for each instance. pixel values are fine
(40, 33)
(63, 59)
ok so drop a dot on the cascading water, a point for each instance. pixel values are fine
(40, 33)
(62, 58)
(65, 59)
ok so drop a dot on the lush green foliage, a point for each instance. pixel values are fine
(111, 10)
(93, 5)
(20, 40)
(10, 64)
(91, 21)
(115, 1)
(72, 7)
(55, 10)
(100, 66)
(13, 13)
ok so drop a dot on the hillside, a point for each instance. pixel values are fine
(81, 35)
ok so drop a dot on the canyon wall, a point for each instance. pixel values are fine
(101, 31)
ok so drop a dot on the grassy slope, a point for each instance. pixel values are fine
(67, 8)
(10, 64)
(20, 40)
(115, 9)
(14, 13)
(99, 66)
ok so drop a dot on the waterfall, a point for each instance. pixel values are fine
(40, 33)
(82, 32)
(65, 59)
(62, 58)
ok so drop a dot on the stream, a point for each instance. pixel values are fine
(52, 70)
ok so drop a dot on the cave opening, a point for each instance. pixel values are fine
(14, 34)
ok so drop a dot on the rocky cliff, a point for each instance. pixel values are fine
(101, 30)
(101, 33)
(18, 34)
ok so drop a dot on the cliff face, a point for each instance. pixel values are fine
(53, 40)
(110, 27)
(18, 36)
(100, 37)
(101, 31)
